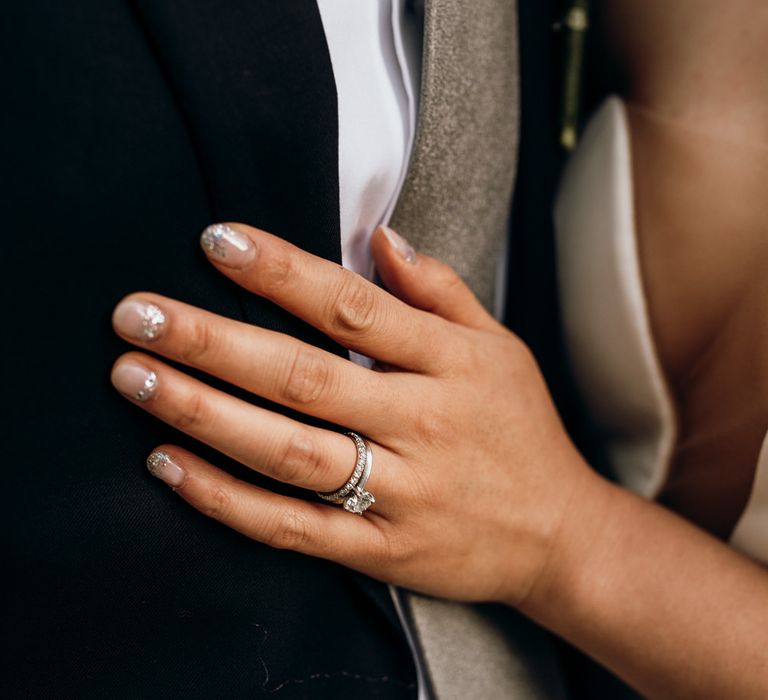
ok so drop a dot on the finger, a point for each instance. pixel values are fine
(270, 443)
(354, 312)
(273, 365)
(278, 521)
(426, 283)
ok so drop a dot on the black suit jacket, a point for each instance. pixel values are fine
(127, 128)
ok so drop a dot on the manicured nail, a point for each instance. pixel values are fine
(138, 320)
(134, 380)
(227, 246)
(164, 468)
(404, 249)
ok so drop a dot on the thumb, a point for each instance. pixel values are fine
(426, 283)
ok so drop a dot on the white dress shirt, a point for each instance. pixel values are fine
(375, 53)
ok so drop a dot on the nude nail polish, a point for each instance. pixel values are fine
(402, 247)
(139, 320)
(162, 466)
(227, 246)
(134, 380)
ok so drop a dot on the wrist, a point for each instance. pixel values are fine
(569, 565)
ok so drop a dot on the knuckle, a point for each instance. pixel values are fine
(192, 414)
(424, 493)
(448, 277)
(444, 283)
(394, 550)
(201, 344)
(354, 305)
(308, 377)
(289, 529)
(432, 426)
(427, 427)
(519, 353)
(468, 352)
(303, 461)
(219, 504)
(276, 270)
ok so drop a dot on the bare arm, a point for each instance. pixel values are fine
(673, 611)
(669, 608)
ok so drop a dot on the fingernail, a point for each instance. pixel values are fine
(164, 468)
(138, 320)
(227, 246)
(404, 249)
(134, 380)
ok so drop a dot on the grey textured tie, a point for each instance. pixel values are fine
(456, 196)
(454, 205)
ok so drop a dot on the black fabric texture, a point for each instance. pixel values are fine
(125, 129)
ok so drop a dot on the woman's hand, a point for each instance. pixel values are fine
(473, 473)
(479, 493)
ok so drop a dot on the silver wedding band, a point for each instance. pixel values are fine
(353, 495)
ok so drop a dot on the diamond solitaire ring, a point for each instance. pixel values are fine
(353, 494)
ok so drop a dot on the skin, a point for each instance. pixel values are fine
(694, 83)
(480, 494)
(434, 391)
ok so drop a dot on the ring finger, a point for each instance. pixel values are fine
(270, 443)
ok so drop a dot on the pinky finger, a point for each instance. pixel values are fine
(278, 521)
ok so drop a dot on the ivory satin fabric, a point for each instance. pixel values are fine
(606, 325)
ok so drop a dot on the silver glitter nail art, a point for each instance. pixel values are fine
(153, 320)
(212, 238)
(162, 466)
(150, 384)
(156, 462)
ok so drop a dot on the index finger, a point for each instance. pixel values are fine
(354, 312)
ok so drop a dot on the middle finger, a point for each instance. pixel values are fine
(273, 365)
